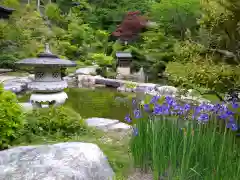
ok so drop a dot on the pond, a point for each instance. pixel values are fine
(100, 102)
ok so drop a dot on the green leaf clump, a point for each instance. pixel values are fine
(61, 120)
(11, 118)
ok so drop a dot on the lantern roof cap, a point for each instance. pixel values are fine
(46, 59)
(6, 9)
(123, 55)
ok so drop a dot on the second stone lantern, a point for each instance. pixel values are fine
(48, 84)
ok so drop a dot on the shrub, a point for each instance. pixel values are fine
(11, 118)
(62, 120)
(218, 77)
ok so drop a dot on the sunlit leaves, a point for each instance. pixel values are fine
(102, 59)
(53, 12)
(176, 16)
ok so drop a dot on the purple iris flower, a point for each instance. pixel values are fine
(157, 109)
(229, 113)
(137, 113)
(169, 99)
(187, 107)
(226, 114)
(165, 110)
(146, 107)
(134, 101)
(235, 105)
(177, 107)
(203, 118)
(128, 118)
(232, 126)
(154, 99)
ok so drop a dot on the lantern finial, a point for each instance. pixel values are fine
(47, 49)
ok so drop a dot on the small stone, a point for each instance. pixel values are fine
(120, 127)
(101, 123)
(86, 70)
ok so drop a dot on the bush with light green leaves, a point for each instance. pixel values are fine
(11, 118)
(62, 120)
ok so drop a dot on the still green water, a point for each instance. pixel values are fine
(101, 102)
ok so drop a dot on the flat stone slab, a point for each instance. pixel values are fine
(120, 127)
(5, 70)
(107, 124)
(108, 82)
(4, 78)
(101, 123)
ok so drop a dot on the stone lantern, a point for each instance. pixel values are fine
(124, 60)
(48, 83)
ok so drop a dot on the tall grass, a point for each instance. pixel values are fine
(185, 149)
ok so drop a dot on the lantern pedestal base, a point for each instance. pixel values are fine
(55, 99)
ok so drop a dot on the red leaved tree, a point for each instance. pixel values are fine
(131, 26)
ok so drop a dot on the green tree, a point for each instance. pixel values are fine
(176, 16)
(19, 36)
(220, 24)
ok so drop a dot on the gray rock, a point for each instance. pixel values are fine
(16, 88)
(71, 81)
(167, 90)
(5, 78)
(31, 76)
(71, 75)
(63, 161)
(107, 124)
(121, 89)
(119, 127)
(108, 82)
(146, 87)
(100, 123)
(87, 70)
(5, 70)
(16, 84)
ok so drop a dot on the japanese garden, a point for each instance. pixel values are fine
(119, 90)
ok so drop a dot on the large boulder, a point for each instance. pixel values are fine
(63, 161)
(86, 81)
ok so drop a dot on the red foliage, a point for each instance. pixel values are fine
(131, 26)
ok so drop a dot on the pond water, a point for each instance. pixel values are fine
(100, 102)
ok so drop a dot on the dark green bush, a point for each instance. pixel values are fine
(11, 118)
(102, 71)
(62, 120)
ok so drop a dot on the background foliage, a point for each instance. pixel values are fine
(192, 33)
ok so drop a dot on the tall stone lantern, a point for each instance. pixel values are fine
(48, 84)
